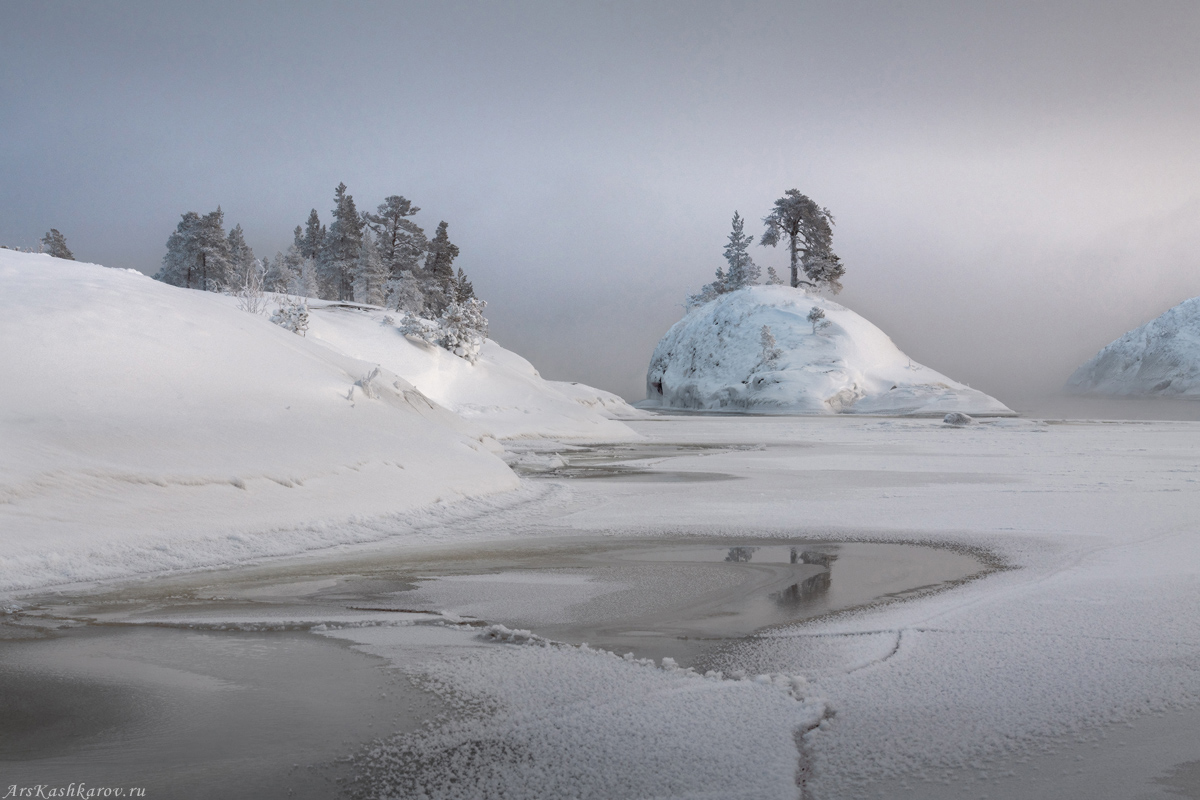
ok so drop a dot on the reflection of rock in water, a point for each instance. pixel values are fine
(818, 557)
(740, 554)
(804, 591)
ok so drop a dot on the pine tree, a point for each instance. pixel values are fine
(369, 274)
(816, 316)
(212, 249)
(241, 259)
(404, 293)
(179, 263)
(197, 253)
(340, 252)
(401, 241)
(56, 245)
(439, 271)
(313, 240)
(742, 269)
(770, 352)
(809, 231)
(463, 290)
(279, 274)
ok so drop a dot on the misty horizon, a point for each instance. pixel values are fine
(1013, 187)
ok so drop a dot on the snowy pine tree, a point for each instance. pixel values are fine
(197, 253)
(401, 241)
(369, 273)
(242, 263)
(56, 245)
(809, 232)
(773, 278)
(770, 351)
(463, 289)
(816, 316)
(180, 261)
(404, 293)
(742, 269)
(440, 285)
(339, 253)
(313, 239)
(279, 274)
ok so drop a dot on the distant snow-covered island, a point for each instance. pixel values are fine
(1159, 359)
(764, 349)
(788, 349)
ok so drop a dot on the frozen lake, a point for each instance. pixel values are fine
(1004, 610)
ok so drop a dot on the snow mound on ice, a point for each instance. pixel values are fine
(1161, 358)
(147, 427)
(501, 393)
(714, 359)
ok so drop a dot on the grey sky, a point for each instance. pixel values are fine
(1015, 184)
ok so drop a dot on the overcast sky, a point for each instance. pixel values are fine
(1015, 184)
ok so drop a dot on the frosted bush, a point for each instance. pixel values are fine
(292, 314)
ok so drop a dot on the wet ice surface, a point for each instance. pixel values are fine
(208, 684)
(193, 714)
(684, 599)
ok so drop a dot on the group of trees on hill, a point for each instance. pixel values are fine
(382, 258)
(806, 227)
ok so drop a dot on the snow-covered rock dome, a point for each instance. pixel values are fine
(1160, 358)
(715, 359)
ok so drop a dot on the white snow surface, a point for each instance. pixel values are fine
(1161, 358)
(147, 427)
(713, 359)
(501, 393)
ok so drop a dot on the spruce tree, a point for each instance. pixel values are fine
(742, 269)
(340, 252)
(439, 271)
(56, 245)
(311, 242)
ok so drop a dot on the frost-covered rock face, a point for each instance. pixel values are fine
(715, 359)
(1160, 358)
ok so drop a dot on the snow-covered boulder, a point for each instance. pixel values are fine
(146, 427)
(500, 392)
(716, 359)
(1161, 358)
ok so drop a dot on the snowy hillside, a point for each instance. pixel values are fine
(501, 393)
(1160, 358)
(714, 359)
(147, 427)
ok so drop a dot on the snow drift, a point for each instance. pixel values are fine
(1161, 358)
(147, 427)
(501, 392)
(714, 359)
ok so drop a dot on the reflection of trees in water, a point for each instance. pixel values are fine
(818, 557)
(740, 554)
(806, 590)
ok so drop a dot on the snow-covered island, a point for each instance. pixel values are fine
(1161, 358)
(778, 349)
(148, 427)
